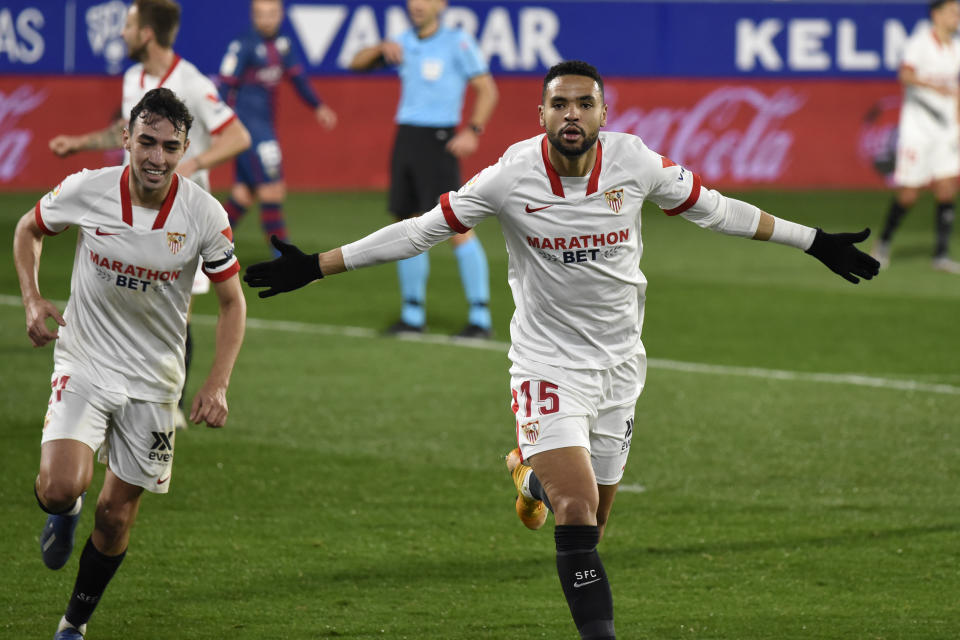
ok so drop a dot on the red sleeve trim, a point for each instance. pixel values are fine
(224, 125)
(39, 218)
(450, 216)
(690, 201)
(226, 274)
(228, 233)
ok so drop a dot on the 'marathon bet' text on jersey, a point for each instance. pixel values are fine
(132, 273)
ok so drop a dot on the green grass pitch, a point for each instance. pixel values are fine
(359, 491)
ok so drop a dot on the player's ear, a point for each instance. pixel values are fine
(186, 145)
(126, 139)
(543, 123)
(603, 115)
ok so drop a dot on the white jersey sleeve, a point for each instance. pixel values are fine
(218, 261)
(203, 100)
(679, 191)
(62, 206)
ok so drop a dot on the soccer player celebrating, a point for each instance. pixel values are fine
(435, 64)
(250, 74)
(149, 32)
(568, 203)
(119, 362)
(928, 138)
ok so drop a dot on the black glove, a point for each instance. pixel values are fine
(292, 270)
(836, 250)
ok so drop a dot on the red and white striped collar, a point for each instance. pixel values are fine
(555, 184)
(126, 204)
(173, 65)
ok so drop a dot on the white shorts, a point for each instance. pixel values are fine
(926, 151)
(594, 409)
(135, 437)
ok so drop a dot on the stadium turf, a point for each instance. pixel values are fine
(359, 491)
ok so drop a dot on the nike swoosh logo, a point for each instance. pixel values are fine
(577, 585)
(161, 481)
(532, 209)
(104, 233)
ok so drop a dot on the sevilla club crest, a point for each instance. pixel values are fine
(531, 431)
(175, 241)
(614, 199)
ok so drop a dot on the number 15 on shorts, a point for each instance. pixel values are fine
(536, 394)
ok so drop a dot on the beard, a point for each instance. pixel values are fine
(572, 151)
(137, 53)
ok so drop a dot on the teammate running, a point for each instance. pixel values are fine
(119, 361)
(217, 135)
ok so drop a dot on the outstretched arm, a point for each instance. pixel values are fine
(295, 269)
(735, 217)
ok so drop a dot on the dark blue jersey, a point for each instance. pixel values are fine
(250, 73)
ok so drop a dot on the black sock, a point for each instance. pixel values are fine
(93, 575)
(187, 357)
(945, 217)
(584, 581)
(894, 217)
(536, 490)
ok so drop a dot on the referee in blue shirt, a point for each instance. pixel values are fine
(435, 64)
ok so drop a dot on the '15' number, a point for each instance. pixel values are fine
(547, 400)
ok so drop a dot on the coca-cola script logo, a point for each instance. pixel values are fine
(13, 141)
(731, 133)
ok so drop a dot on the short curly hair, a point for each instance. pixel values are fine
(571, 68)
(162, 103)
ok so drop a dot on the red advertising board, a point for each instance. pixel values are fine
(734, 133)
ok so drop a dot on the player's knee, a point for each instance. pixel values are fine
(58, 494)
(113, 520)
(574, 509)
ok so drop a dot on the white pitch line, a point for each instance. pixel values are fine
(852, 379)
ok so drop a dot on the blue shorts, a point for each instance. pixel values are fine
(262, 163)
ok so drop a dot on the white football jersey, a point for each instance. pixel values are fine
(127, 313)
(936, 62)
(574, 244)
(197, 91)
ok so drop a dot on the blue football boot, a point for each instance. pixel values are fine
(56, 539)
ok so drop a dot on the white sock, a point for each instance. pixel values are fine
(77, 506)
(525, 486)
(65, 624)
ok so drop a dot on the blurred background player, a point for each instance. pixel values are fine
(250, 74)
(119, 361)
(928, 147)
(217, 135)
(435, 64)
